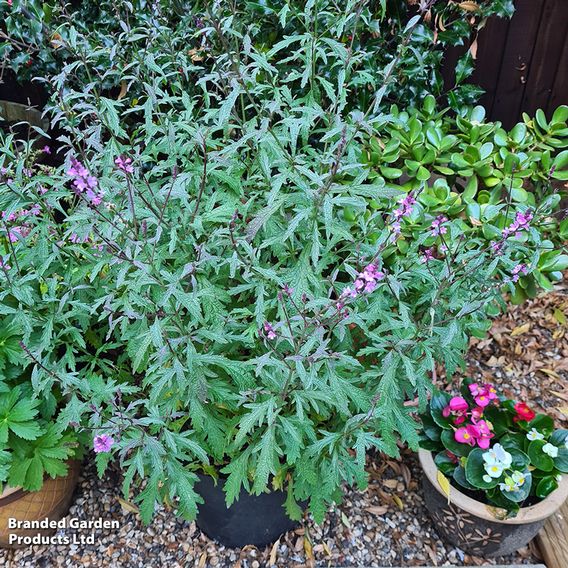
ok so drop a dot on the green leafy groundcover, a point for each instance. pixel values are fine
(496, 449)
(32, 445)
(220, 277)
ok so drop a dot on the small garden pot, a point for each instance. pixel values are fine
(476, 527)
(255, 520)
(52, 501)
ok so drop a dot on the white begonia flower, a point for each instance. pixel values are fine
(508, 486)
(518, 478)
(494, 470)
(513, 483)
(487, 478)
(534, 434)
(550, 450)
(489, 458)
(497, 455)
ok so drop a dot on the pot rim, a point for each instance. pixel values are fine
(10, 494)
(532, 514)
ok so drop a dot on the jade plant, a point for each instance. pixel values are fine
(469, 163)
(496, 449)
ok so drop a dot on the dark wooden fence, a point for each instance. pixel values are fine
(522, 63)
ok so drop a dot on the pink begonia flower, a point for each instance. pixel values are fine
(483, 434)
(483, 394)
(458, 408)
(458, 403)
(476, 413)
(102, 443)
(463, 436)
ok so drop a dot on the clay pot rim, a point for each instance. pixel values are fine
(11, 494)
(526, 515)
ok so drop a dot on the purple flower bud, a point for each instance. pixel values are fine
(268, 331)
(437, 228)
(124, 164)
(427, 256)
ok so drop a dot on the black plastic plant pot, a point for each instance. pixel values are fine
(256, 520)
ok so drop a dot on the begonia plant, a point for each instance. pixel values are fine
(497, 450)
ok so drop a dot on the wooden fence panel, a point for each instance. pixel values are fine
(523, 63)
(548, 59)
(516, 60)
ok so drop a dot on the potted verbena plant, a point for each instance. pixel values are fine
(201, 230)
(493, 469)
(39, 464)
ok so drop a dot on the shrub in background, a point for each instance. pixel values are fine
(40, 37)
(470, 165)
(32, 443)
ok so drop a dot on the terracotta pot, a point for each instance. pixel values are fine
(52, 501)
(476, 527)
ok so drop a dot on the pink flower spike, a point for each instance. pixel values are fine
(124, 164)
(427, 256)
(4, 265)
(437, 228)
(102, 443)
(269, 331)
